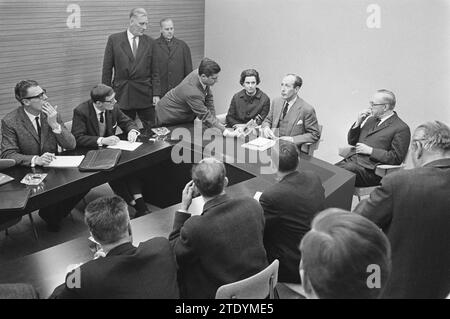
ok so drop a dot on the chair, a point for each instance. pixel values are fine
(309, 148)
(259, 286)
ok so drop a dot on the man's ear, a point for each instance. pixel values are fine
(419, 149)
(225, 182)
(25, 102)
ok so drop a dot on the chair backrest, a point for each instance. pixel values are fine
(309, 148)
(259, 286)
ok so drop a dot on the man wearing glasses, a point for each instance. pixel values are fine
(379, 136)
(31, 135)
(94, 125)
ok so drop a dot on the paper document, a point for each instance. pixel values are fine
(66, 161)
(126, 146)
(259, 144)
(196, 207)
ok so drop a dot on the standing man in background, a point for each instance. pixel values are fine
(132, 56)
(174, 57)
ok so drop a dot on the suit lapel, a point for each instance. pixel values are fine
(28, 125)
(109, 124)
(44, 130)
(125, 45)
(294, 110)
(277, 109)
(174, 47)
(163, 46)
(383, 125)
(141, 48)
(93, 118)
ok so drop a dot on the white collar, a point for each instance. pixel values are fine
(31, 116)
(97, 110)
(131, 36)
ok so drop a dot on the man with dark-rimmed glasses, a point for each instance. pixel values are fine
(379, 136)
(31, 135)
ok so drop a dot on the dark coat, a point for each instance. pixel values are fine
(135, 81)
(289, 207)
(390, 141)
(223, 245)
(413, 209)
(174, 64)
(85, 123)
(243, 108)
(127, 272)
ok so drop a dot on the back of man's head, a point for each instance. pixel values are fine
(100, 92)
(430, 141)
(340, 253)
(209, 176)
(285, 156)
(208, 67)
(107, 219)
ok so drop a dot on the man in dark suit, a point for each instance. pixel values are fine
(379, 136)
(124, 271)
(31, 135)
(94, 125)
(413, 209)
(174, 57)
(191, 98)
(290, 117)
(222, 245)
(289, 207)
(132, 56)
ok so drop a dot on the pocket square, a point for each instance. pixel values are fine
(300, 122)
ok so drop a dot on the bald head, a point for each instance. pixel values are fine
(209, 176)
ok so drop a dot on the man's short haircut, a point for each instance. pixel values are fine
(21, 89)
(208, 67)
(135, 12)
(337, 253)
(435, 136)
(100, 92)
(107, 219)
(209, 177)
(298, 80)
(249, 72)
(285, 156)
(164, 20)
(389, 97)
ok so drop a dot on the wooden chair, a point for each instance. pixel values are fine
(258, 286)
(309, 148)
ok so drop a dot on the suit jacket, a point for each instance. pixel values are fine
(223, 245)
(243, 108)
(18, 291)
(300, 121)
(20, 140)
(186, 102)
(390, 141)
(127, 272)
(85, 123)
(174, 64)
(289, 207)
(135, 81)
(413, 209)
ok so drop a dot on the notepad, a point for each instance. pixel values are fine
(260, 144)
(66, 161)
(126, 146)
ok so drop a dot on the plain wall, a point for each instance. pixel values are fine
(341, 60)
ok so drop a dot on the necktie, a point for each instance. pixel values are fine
(38, 126)
(134, 46)
(102, 119)
(285, 108)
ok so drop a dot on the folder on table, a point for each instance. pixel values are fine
(100, 160)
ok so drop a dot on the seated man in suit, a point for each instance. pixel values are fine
(191, 98)
(290, 117)
(222, 245)
(94, 125)
(289, 207)
(147, 271)
(31, 135)
(379, 137)
(344, 256)
(413, 209)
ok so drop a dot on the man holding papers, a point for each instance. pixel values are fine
(31, 135)
(94, 125)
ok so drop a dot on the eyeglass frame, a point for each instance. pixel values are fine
(39, 96)
(110, 101)
(376, 104)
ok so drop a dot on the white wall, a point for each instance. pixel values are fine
(341, 60)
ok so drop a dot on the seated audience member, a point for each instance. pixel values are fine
(146, 271)
(379, 137)
(222, 245)
(290, 117)
(191, 98)
(250, 103)
(344, 255)
(289, 207)
(94, 125)
(413, 209)
(31, 135)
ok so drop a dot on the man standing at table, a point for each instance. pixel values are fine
(31, 135)
(290, 117)
(132, 56)
(94, 125)
(174, 57)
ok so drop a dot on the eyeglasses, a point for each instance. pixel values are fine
(112, 101)
(376, 104)
(39, 96)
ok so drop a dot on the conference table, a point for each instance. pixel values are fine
(164, 165)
